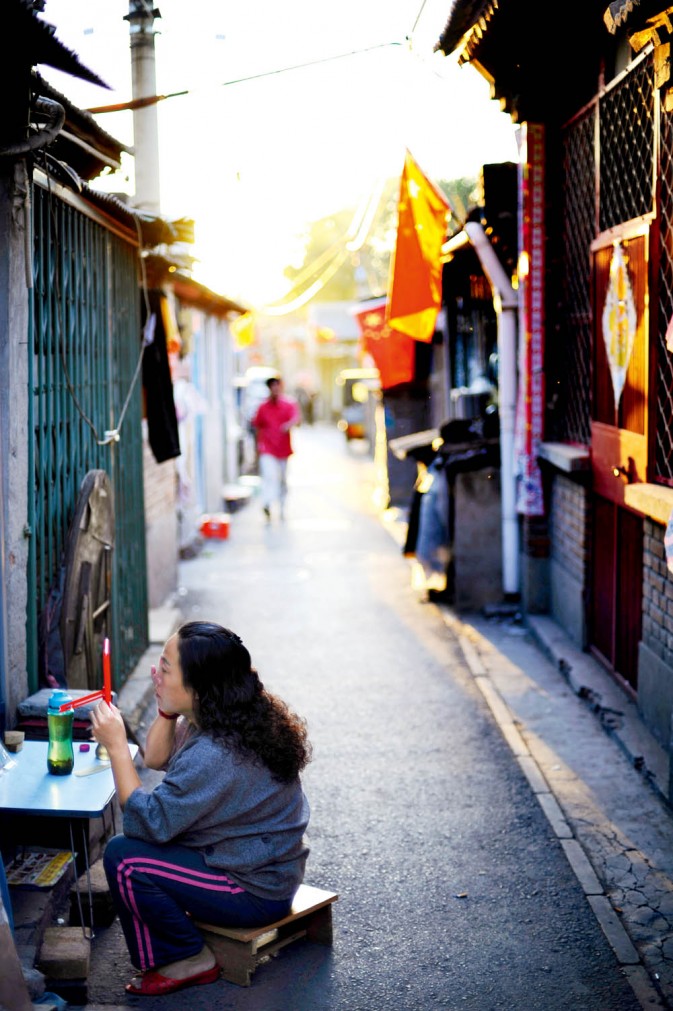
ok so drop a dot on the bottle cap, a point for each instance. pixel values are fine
(59, 698)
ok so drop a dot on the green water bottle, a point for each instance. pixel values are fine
(60, 755)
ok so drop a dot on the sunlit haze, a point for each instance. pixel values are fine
(253, 162)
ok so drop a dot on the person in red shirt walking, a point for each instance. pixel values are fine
(272, 422)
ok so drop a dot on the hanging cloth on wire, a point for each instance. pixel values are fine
(162, 422)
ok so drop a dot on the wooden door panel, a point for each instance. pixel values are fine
(616, 448)
(629, 595)
(617, 589)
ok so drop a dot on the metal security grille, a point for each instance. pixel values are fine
(663, 427)
(626, 124)
(579, 222)
(85, 334)
(598, 194)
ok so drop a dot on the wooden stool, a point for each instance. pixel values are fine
(239, 950)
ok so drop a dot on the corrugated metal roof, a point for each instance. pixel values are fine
(150, 229)
(154, 230)
(81, 124)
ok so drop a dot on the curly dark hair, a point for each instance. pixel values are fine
(232, 704)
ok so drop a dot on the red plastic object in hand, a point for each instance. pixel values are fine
(93, 697)
(107, 675)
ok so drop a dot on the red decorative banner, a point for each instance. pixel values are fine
(529, 427)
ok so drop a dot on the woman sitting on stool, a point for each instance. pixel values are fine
(221, 837)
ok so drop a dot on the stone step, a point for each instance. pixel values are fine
(102, 912)
(64, 962)
(64, 953)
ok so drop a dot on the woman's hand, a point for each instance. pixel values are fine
(156, 680)
(108, 727)
(109, 730)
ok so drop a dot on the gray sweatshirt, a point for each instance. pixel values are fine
(241, 819)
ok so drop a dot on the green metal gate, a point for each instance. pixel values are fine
(84, 375)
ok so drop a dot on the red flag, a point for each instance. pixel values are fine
(415, 283)
(393, 352)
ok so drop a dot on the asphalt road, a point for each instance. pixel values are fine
(454, 891)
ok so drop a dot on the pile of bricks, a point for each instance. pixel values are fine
(52, 932)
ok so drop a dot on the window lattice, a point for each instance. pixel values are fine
(572, 412)
(627, 148)
(623, 183)
(663, 449)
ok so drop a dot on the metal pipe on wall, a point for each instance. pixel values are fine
(141, 18)
(505, 301)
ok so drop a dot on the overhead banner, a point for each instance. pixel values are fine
(393, 352)
(529, 425)
(415, 283)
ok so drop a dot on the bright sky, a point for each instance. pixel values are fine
(253, 162)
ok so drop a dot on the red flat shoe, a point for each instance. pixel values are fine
(153, 984)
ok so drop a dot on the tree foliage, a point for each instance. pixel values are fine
(341, 266)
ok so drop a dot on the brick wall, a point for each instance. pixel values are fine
(160, 486)
(569, 530)
(569, 535)
(161, 526)
(657, 594)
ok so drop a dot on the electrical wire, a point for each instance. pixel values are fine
(140, 103)
(418, 18)
(333, 257)
(354, 238)
(369, 213)
(311, 292)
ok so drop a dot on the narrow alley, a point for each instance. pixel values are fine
(454, 889)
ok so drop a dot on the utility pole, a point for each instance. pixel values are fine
(141, 17)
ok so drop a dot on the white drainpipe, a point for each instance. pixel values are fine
(141, 18)
(505, 301)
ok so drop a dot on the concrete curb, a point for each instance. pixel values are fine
(626, 955)
(618, 716)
